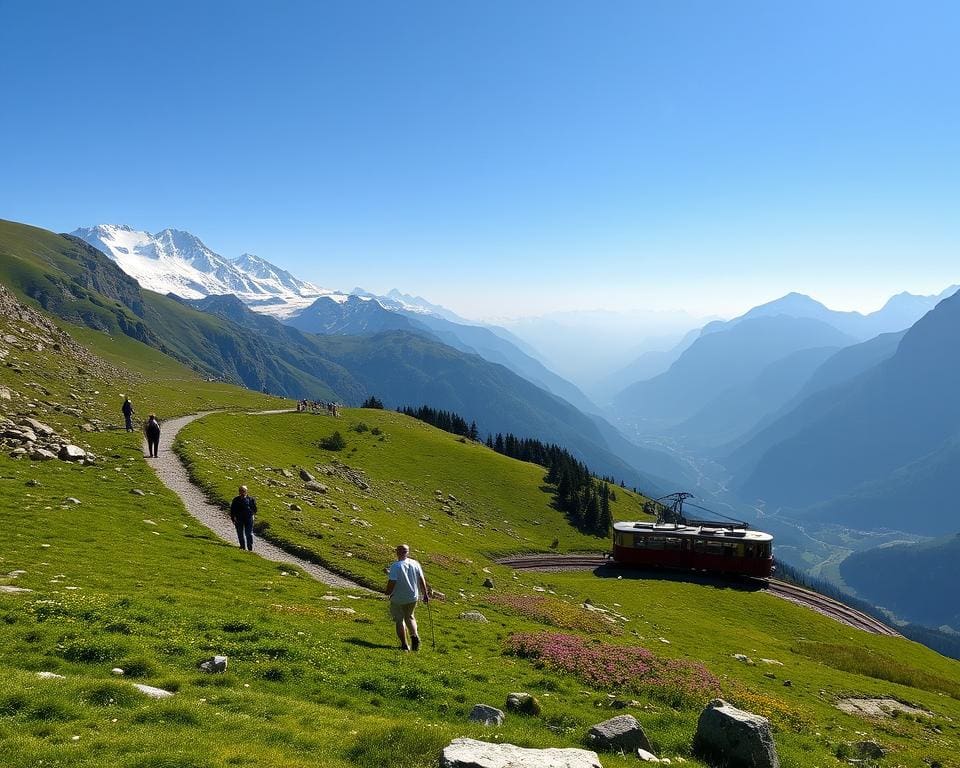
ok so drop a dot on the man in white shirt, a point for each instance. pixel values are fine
(406, 584)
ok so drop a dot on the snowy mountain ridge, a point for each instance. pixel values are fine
(173, 261)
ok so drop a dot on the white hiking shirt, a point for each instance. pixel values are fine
(407, 574)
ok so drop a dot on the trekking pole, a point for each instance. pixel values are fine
(433, 635)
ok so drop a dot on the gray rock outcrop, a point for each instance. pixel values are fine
(474, 616)
(306, 476)
(214, 664)
(470, 753)
(523, 703)
(621, 733)
(737, 738)
(484, 713)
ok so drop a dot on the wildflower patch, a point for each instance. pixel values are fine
(676, 682)
(557, 613)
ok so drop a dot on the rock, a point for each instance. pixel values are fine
(313, 485)
(32, 483)
(647, 757)
(296, 508)
(87, 427)
(50, 676)
(116, 671)
(5, 393)
(72, 453)
(16, 453)
(345, 611)
(484, 713)
(735, 737)
(360, 523)
(474, 616)
(38, 427)
(13, 590)
(488, 583)
(471, 753)
(137, 492)
(286, 473)
(214, 664)
(869, 749)
(523, 703)
(306, 476)
(620, 733)
(71, 500)
(153, 693)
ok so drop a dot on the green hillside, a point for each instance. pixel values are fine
(131, 581)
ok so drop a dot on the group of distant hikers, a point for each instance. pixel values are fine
(318, 406)
(406, 584)
(151, 427)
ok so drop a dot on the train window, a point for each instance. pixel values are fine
(673, 542)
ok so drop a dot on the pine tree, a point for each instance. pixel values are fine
(489, 441)
(473, 431)
(591, 513)
(606, 518)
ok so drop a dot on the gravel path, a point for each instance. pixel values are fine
(173, 474)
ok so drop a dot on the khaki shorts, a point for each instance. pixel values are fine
(401, 611)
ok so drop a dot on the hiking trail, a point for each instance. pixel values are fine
(173, 474)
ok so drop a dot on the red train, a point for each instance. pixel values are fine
(676, 542)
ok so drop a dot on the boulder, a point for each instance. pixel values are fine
(619, 734)
(488, 583)
(523, 703)
(647, 757)
(153, 693)
(214, 664)
(286, 473)
(484, 713)
(37, 426)
(474, 616)
(313, 485)
(136, 492)
(72, 453)
(869, 749)
(306, 476)
(471, 753)
(735, 737)
(50, 676)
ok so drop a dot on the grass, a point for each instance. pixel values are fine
(307, 685)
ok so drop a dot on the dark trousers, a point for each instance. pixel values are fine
(129, 419)
(244, 526)
(153, 445)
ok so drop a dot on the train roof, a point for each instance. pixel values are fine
(700, 529)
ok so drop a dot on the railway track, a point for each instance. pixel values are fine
(827, 606)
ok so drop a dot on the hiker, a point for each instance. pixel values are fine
(127, 409)
(406, 584)
(152, 430)
(243, 509)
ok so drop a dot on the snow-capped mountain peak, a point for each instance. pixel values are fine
(175, 261)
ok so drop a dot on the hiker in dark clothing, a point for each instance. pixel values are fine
(127, 409)
(243, 509)
(152, 430)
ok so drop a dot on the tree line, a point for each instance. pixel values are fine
(582, 497)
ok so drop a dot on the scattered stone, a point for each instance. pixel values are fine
(41, 454)
(471, 753)
(214, 665)
(137, 492)
(523, 703)
(87, 427)
(488, 583)
(286, 473)
(116, 671)
(360, 523)
(32, 483)
(306, 476)
(313, 485)
(296, 508)
(71, 500)
(72, 453)
(877, 707)
(153, 693)
(647, 757)
(484, 713)
(620, 733)
(869, 749)
(474, 616)
(772, 661)
(10, 590)
(743, 658)
(338, 609)
(736, 737)
(38, 427)
(50, 676)
(5, 393)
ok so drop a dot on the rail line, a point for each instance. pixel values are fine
(807, 598)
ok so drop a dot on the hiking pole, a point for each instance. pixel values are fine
(433, 635)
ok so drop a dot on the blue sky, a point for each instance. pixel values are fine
(506, 158)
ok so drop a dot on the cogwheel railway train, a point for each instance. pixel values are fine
(674, 541)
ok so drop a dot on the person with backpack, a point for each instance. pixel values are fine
(127, 409)
(406, 585)
(243, 509)
(152, 430)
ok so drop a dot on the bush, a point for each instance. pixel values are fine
(333, 443)
(361, 427)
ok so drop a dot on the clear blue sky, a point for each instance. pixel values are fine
(507, 157)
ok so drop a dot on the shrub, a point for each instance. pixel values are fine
(376, 431)
(360, 427)
(334, 442)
